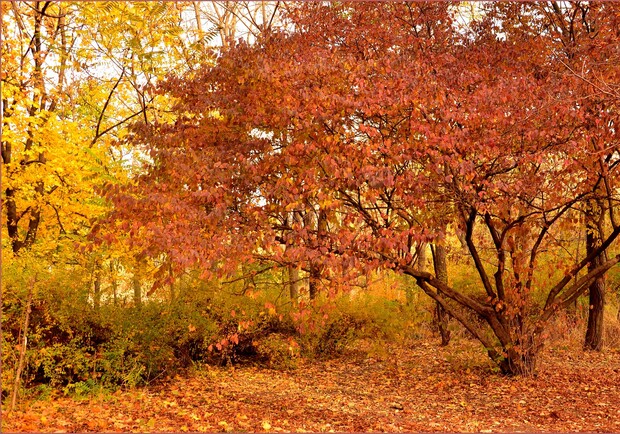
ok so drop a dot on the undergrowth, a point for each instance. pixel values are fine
(75, 349)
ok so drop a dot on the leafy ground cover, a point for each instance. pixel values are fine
(418, 388)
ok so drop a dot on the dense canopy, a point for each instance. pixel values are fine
(356, 132)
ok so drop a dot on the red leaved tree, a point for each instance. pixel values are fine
(384, 124)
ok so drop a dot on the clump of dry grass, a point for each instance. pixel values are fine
(611, 338)
(567, 330)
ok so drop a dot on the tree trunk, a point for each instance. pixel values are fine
(137, 287)
(23, 346)
(97, 289)
(420, 265)
(421, 260)
(36, 107)
(313, 281)
(518, 363)
(594, 332)
(596, 303)
(172, 282)
(440, 264)
(137, 292)
(293, 283)
(114, 282)
(319, 223)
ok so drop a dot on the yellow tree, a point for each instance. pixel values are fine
(74, 75)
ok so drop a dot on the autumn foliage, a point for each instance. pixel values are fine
(305, 194)
(362, 130)
(282, 216)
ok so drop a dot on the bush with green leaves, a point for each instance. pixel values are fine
(77, 348)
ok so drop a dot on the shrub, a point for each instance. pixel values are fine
(277, 351)
(78, 349)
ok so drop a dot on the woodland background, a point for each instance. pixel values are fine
(282, 185)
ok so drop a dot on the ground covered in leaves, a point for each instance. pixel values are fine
(419, 388)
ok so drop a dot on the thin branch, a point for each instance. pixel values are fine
(119, 123)
(105, 106)
(581, 77)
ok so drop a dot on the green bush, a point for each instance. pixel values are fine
(78, 349)
(62, 364)
(278, 351)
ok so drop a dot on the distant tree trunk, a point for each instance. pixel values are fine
(97, 289)
(137, 292)
(115, 291)
(313, 281)
(317, 222)
(137, 286)
(440, 264)
(596, 303)
(114, 283)
(409, 295)
(172, 289)
(291, 271)
(293, 283)
(571, 310)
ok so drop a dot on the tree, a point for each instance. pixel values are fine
(587, 37)
(440, 265)
(35, 123)
(378, 114)
(582, 38)
(67, 80)
(73, 75)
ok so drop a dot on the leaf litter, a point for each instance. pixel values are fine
(420, 388)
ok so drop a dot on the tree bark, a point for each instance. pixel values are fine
(293, 283)
(97, 289)
(313, 281)
(594, 332)
(440, 264)
(137, 286)
(596, 296)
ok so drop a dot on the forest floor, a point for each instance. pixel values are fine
(420, 388)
